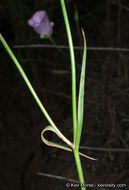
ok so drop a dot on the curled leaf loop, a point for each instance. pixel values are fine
(57, 145)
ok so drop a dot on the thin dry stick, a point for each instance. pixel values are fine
(75, 47)
(104, 149)
(57, 177)
(122, 6)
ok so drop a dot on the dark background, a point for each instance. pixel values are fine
(106, 118)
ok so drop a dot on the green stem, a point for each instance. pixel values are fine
(79, 168)
(75, 151)
(72, 57)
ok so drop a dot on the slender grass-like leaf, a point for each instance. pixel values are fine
(77, 125)
(74, 108)
(81, 96)
(53, 127)
(33, 92)
(57, 145)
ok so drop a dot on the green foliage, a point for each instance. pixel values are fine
(77, 119)
(81, 97)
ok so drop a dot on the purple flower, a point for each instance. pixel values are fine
(40, 23)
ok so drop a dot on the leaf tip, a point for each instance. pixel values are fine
(84, 36)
